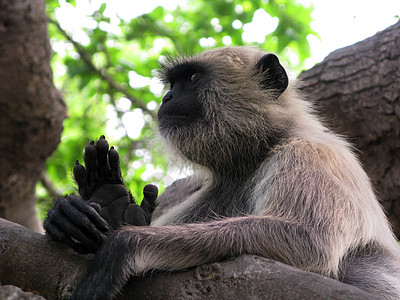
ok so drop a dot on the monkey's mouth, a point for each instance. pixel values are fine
(172, 115)
(175, 114)
(174, 121)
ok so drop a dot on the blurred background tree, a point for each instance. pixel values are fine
(105, 54)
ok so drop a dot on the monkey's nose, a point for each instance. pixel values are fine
(167, 97)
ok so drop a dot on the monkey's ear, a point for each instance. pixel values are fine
(274, 75)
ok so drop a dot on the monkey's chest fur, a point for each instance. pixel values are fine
(221, 200)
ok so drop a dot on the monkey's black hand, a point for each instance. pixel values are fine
(85, 223)
(101, 183)
(76, 224)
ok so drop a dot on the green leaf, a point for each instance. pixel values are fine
(89, 97)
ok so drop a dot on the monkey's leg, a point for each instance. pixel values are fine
(101, 182)
(370, 269)
(135, 250)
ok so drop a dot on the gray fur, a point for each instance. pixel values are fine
(312, 200)
(272, 181)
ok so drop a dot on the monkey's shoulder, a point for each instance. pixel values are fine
(302, 167)
(305, 152)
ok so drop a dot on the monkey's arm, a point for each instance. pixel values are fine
(135, 250)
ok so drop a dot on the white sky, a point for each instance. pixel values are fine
(338, 22)
(344, 22)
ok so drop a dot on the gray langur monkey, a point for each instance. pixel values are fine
(272, 181)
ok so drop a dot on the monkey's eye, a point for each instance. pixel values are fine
(194, 77)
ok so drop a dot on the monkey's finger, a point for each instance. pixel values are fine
(134, 215)
(80, 227)
(92, 215)
(61, 225)
(52, 231)
(115, 170)
(64, 223)
(90, 157)
(79, 234)
(56, 234)
(150, 193)
(102, 163)
(80, 178)
(96, 206)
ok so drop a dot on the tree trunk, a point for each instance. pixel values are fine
(357, 89)
(31, 108)
(31, 262)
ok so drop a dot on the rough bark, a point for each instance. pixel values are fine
(50, 269)
(357, 89)
(31, 109)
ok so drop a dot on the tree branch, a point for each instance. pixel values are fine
(52, 270)
(35, 265)
(102, 72)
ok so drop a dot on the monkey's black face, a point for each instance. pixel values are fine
(214, 113)
(181, 105)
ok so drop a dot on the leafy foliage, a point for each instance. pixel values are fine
(103, 63)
